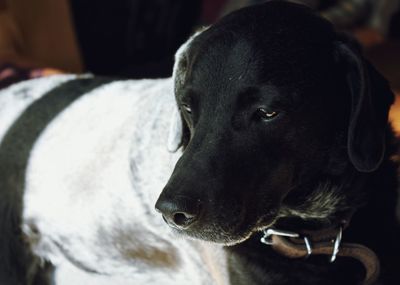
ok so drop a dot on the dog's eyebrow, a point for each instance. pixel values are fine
(254, 94)
(248, 95)
(270, 95)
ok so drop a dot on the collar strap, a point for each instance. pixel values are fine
(322, 242)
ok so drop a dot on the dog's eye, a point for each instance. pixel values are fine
(264, 114)
(186, 108)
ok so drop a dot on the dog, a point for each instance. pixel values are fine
(270, 143)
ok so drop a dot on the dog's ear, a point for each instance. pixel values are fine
(371, 98)
(179, 134)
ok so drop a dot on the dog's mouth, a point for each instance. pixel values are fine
(223, 220)
(228, 232)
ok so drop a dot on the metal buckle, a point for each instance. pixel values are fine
(336, 245)
(266, 239)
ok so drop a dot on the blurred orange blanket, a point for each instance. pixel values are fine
(12, 73)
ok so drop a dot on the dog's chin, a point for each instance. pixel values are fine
(218, 234)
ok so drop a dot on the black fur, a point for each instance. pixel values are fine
(241, 170)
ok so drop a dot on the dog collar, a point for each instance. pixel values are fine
(322, 242)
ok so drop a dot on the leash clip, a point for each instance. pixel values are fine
(268, 233)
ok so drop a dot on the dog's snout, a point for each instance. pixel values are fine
(179, 212)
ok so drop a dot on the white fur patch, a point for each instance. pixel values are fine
(92, 180)
(180, 54)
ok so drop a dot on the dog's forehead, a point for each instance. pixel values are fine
(227, 61)
(275, 43)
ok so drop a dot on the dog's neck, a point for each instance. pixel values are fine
(326, 241)
(323, 202)
(373, 221)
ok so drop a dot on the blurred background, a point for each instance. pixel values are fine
(138, 38)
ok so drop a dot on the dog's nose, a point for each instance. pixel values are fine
(179, 212)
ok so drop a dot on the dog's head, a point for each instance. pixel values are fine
(272, 101)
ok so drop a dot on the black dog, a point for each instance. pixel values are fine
(284, 125)
(285, 142)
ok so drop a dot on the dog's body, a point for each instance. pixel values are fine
(283, 124)
(106, 230)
